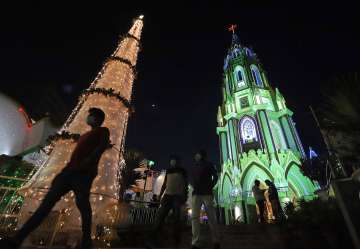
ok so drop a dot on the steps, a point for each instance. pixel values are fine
(249, 237)
(253, 236)
(242, 236)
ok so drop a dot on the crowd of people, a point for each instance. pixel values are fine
(80, 171)
(174, 194)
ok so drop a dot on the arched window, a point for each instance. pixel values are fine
(248, 52)
(239, 76)
(256, 75)
(236, 52)
(248, 130)
(227, 87)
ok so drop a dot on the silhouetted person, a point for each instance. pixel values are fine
(173, 195)
(77, 176)
(260, 199)
(274, 200)
(204, 177)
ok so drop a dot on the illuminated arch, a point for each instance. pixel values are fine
(289, 166)
(251, 173)
(293, 192)
(295, 178)
(226, 187)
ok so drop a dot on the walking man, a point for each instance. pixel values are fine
(260, 199)
(173, 195)
(204, 178)
(77, 176)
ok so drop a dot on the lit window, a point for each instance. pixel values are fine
(248, 52)
(256, 75)
(248, 130)
(239, 76)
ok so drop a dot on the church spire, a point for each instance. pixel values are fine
(235, 38)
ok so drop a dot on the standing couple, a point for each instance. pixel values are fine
(259, 195)
(174, 194)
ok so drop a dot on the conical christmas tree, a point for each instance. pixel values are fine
(111, 91)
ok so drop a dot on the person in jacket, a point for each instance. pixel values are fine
(204, 177)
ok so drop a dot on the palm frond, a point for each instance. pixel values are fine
(341, 106)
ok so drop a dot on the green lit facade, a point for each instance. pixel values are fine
(257, 138)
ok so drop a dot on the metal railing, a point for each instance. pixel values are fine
(141, 214)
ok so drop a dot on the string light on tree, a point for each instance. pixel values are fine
(111, 91)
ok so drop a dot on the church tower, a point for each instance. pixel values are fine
(257, 138)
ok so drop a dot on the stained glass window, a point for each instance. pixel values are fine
(248, 130)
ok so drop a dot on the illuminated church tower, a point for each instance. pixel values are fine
(257, 138)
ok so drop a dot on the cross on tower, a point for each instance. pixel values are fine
(232, 28)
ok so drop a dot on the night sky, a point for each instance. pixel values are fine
(50, 53)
